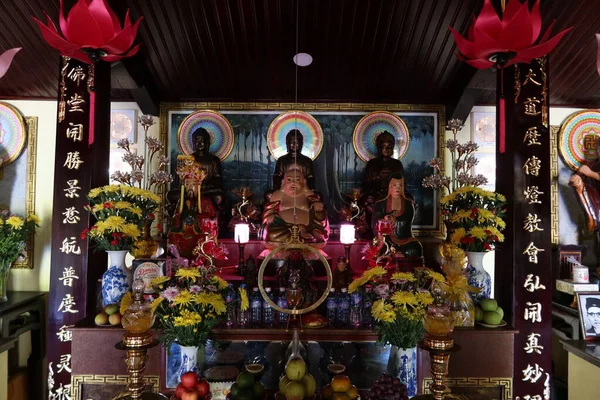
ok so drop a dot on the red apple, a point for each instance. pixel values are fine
(189, 379)
(190, 395)
(179, 391)
(203, 387)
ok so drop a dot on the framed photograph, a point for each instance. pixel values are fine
(484, 128)
(589, 314)
(123, 124)
(338, 166)
(17, 186)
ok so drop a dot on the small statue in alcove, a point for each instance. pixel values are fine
(250, 273)
(342, 274)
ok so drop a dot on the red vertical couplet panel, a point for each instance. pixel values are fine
(74, 173)
(527, 254)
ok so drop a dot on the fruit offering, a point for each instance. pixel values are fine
(388, 388)
(246, 388)
(489, 313)
(340, 388)
(190, 388)
(296, 384)
(108, 316)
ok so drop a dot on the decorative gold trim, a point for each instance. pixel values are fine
(78, 380)
(31, 126)
(165, 108)
(506, 382)
(554, 129)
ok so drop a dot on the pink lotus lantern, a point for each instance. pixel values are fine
(500, 41)
(6, 59)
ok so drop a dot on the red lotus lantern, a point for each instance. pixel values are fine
(500, 41)
(91, 32)
(6, 59)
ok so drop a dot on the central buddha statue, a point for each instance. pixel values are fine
(294, 205)
(294, 158)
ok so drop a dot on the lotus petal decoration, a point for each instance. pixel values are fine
(6, 59)
(508, 39)
(90, 32)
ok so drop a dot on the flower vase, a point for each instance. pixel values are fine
(192, 359)
(402, 364)
(116, 281)
(4, 271)
(478, 277)
(145, 246)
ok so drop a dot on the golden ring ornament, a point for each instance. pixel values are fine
(294, 246)
(312, 133)
(219, 128)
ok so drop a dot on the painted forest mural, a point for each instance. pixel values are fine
(338, 169)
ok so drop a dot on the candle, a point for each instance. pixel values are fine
(347, 234)
(182, 197)
(241, 233)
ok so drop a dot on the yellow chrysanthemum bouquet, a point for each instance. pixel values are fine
(190, 304)
(120, 213)
(399, 302)
(475, 215)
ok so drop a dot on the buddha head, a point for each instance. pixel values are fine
(294, 141)
(201, 140)
(385, 143)
(294, 182)
(396, 186)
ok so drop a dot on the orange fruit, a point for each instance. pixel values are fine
(340, 383)
(352, 392)
(340, 396)
(327, 392)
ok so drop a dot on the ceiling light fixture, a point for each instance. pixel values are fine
(303, 59)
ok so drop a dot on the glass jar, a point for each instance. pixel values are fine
(139, 316)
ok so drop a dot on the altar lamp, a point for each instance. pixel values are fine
(241, 235)
(347, 237)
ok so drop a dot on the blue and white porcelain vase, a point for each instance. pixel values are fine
(116, 281)
(402, 364)
(192, 359)
(478, 277)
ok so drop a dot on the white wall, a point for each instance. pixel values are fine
(38, 278)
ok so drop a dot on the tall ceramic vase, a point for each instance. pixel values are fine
(4, 271)
(478, 277)
(402, 364)
(116, 281)
(192, 359)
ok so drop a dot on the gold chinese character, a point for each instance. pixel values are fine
(531, 78)
(532, 252)
(71, 216)
(67, 304)
(64, 363)
(533, 345)
(531, 284)
(532, 374)
(529, 397)
(533, 312)
(73, 161)
(532, 194)
(64, 333)
(70, 246)
(76, 74)
(68, 276)
(71, 191)
(75, 132)
(532, 166)
(531, 223)
(531, 105)
(61, 393)
(531, 136)
(75, 103)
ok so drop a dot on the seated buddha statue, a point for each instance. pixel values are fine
(379, 170)
(294, 158)
(294, 205)
(398, 207)
(200, 195)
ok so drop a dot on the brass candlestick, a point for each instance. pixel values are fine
(439, 348)
(138, 338)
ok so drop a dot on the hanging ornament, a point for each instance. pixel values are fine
(92, 32)
(6, 59)
(502, 40)
(598, 59)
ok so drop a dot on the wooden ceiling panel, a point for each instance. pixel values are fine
(363, 50)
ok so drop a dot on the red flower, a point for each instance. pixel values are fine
(487, 246)
(107, 205)
(150, 216)
(91, 26)
(84, 233)
(513, 35)
(114, 242)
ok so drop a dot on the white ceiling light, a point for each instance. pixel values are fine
(303, 59)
